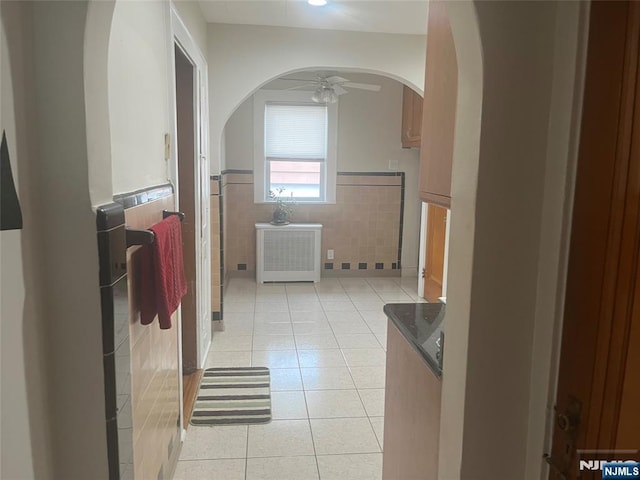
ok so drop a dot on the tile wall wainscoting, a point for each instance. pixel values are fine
(145, 378)
(363, 227)
(217, 247)
(154, 367)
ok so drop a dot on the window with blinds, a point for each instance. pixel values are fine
(295, 150)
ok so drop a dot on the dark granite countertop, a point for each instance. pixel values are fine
(421, 324)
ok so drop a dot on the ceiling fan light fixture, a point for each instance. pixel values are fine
(317, 3)
(324, 94)
(316, 96)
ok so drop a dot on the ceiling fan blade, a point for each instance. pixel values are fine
(339, 90)
(306, 80)
(298, 87)
(363, 86)
(335, 79)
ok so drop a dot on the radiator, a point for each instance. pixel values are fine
(288, 253)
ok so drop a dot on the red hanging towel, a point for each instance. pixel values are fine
(146, 280)
(166, 269)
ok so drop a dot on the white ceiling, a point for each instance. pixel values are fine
(390, 16)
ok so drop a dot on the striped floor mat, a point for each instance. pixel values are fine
(233, 396)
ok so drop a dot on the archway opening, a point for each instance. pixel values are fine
(369, 144)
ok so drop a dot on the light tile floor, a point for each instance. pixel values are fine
(324, 344)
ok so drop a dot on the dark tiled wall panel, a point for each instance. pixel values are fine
(115, 339)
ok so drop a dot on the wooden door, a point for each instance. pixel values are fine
(629, 422)
(597, 395)
(187, 187)
(434, 254)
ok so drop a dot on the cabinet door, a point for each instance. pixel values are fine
(439, 110)
(411, 118)
(411, 413)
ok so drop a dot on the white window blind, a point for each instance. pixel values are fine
(296, 146)
(295, 132)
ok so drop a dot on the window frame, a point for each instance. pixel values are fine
(260, 99)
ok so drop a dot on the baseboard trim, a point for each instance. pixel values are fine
(409, 272)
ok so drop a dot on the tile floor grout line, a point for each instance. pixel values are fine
(277, 456)
(350, 376)
(253, 335)
(369, 418)
(313, 442)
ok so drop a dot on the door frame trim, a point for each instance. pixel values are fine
(179, 36)
(548, 335)
(422, 258)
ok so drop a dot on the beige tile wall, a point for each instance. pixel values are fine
(363, 225)
(154, 368)
(216, 277)
(224, 229)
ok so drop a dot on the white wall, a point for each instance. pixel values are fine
(128, 57)
(562, 150)
(16, 458)
(223, 150)
(138, 94)
(260, 54)
(238, 138)
(52, 372)
(369, 127)
(69, 244)
(96, 95)
(507, 248)
(464, 182)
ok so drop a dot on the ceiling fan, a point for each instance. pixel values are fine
(327, 89)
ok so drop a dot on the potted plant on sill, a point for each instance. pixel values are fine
(284, 206)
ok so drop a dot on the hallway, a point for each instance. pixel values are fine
(325, 347)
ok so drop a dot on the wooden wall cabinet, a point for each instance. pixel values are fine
(412, 413)
(439, 108)
(411, 118)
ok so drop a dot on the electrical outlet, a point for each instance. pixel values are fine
(393, 164)
(330, 254)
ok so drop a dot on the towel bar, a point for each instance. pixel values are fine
(139, 237)
(147, 237)
(167, 213)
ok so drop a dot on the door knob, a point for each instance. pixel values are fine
(566, 422)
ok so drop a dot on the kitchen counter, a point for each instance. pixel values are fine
(413, 391)
(421, 324)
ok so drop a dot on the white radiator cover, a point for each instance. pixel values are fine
(288, 253)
